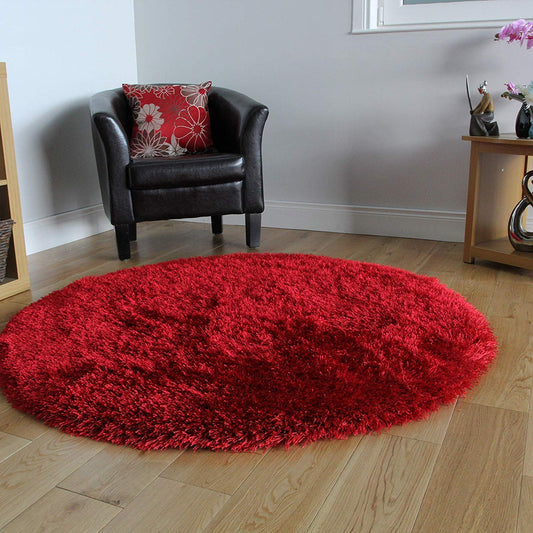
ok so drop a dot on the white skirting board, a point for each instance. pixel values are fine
(60, 229)
(395, 222)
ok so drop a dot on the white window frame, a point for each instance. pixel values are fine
(392, 15)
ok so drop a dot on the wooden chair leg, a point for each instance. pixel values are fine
(123, 241)
(253, 229)
(216, 224)
(132, 229)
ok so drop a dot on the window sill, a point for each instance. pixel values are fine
(429, 27)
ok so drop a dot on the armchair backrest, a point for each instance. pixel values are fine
(113, 102)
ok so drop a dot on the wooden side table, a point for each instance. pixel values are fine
(492, 195)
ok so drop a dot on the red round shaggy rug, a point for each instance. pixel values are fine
(242, 351)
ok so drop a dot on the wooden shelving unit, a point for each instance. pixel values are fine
(494, 188)
(17, 278)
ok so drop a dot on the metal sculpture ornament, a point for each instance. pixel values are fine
(521, 239)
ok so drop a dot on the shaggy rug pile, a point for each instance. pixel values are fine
(242, 351)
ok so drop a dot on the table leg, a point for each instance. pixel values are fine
(471, 206)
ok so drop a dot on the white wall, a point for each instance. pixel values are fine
(58, 53)
(358, 122)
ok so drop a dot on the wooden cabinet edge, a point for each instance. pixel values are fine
(10, 187)
(11, 287)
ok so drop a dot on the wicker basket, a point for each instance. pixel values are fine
(5, 237)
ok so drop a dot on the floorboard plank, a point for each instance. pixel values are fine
(9, 444)
(287, 488)
(475, 485)
(60, 511)
(118, 474)
(30, 473)
(21, 425)
(525, 513)
(168, 505)
(433, 429)
(218, 471)
(394, 254)
(381, 488)
(4, 404)
(509, 381)
(476, 286)
(528, 463)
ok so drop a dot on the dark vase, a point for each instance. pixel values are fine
(523, 122)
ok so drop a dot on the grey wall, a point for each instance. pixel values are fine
(356, 120)
(364, 129)
(58, 53)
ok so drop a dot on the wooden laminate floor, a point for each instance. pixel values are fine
(468, 468)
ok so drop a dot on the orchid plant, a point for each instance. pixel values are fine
(518, 31)
(523, 93)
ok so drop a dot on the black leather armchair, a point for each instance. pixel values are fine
(227, 180)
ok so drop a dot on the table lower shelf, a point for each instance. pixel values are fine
(501, 251)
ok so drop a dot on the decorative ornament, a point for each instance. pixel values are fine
(482, 123)
(521, 239)
(522, 93)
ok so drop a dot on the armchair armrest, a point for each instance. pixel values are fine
(112, 122)
(237, 124)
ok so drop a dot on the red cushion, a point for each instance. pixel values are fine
(169, 120)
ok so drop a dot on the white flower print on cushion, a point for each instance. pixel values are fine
(196, 94)
(192, 129)
(162, 91)
(149, 118)
(139, 90)
(174, 149)
(148, 144)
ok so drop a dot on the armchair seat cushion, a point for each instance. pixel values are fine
(185, 171)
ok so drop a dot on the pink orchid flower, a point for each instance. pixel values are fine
(518, 30)
(511, 87)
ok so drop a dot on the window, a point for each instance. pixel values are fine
(404, 15)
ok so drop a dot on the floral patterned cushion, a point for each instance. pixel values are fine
(169, 120)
